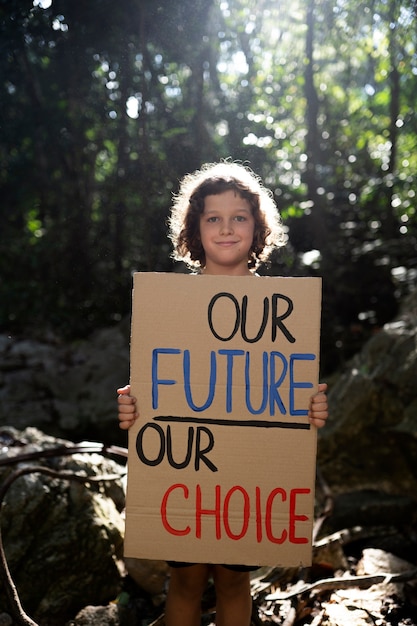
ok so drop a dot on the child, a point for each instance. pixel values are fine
(223, 222)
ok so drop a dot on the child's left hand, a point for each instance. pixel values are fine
(318, 412)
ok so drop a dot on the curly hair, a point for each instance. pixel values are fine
(214, 179)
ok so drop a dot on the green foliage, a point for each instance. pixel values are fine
(106, 105)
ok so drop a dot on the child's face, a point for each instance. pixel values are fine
(226, 230)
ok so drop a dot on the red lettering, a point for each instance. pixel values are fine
(296, 518)
(251, 511)
(164, 504)
(245, 516)
(200, 511)
(268, 516)
(258, 515)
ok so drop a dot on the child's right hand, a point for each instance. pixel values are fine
(127, 408)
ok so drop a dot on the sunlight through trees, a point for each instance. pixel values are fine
(106, 105)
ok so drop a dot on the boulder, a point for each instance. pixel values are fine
(367, 452)
(63, 538)
(66, 390)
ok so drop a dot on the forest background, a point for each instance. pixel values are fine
(105, 105)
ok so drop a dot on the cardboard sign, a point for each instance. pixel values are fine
(222, 459)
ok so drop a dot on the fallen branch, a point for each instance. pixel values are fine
(78, 448)
(330, 584)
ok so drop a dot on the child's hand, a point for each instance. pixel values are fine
(128, 414)
(127, 408)
(318, 412)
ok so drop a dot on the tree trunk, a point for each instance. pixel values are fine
(312, 139)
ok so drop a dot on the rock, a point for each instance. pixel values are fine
(371, 507)
(65, 390)
(148, 574)
(376, 561)
(111, 615)
(63, 539)
(367, 451)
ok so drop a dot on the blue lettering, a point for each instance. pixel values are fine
(187, 385)
(264, 384)
(274, 397)
(160, 381)
(298, 385)
(229, 375)
(282, 376)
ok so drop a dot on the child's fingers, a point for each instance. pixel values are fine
(127, 409)
(319, 402)
(125, 400)
(318, 412)
(127, 416)
(127, 412)
(317, 420)
(126, 424)
(124, 390)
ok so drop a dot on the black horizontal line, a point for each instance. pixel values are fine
(233, 422)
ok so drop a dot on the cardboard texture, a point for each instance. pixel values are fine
(222, 459)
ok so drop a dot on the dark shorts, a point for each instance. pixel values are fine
(234, 568)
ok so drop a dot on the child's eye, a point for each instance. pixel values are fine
(212, 219)
(240, 218)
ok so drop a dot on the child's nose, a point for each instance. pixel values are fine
(226, 227)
